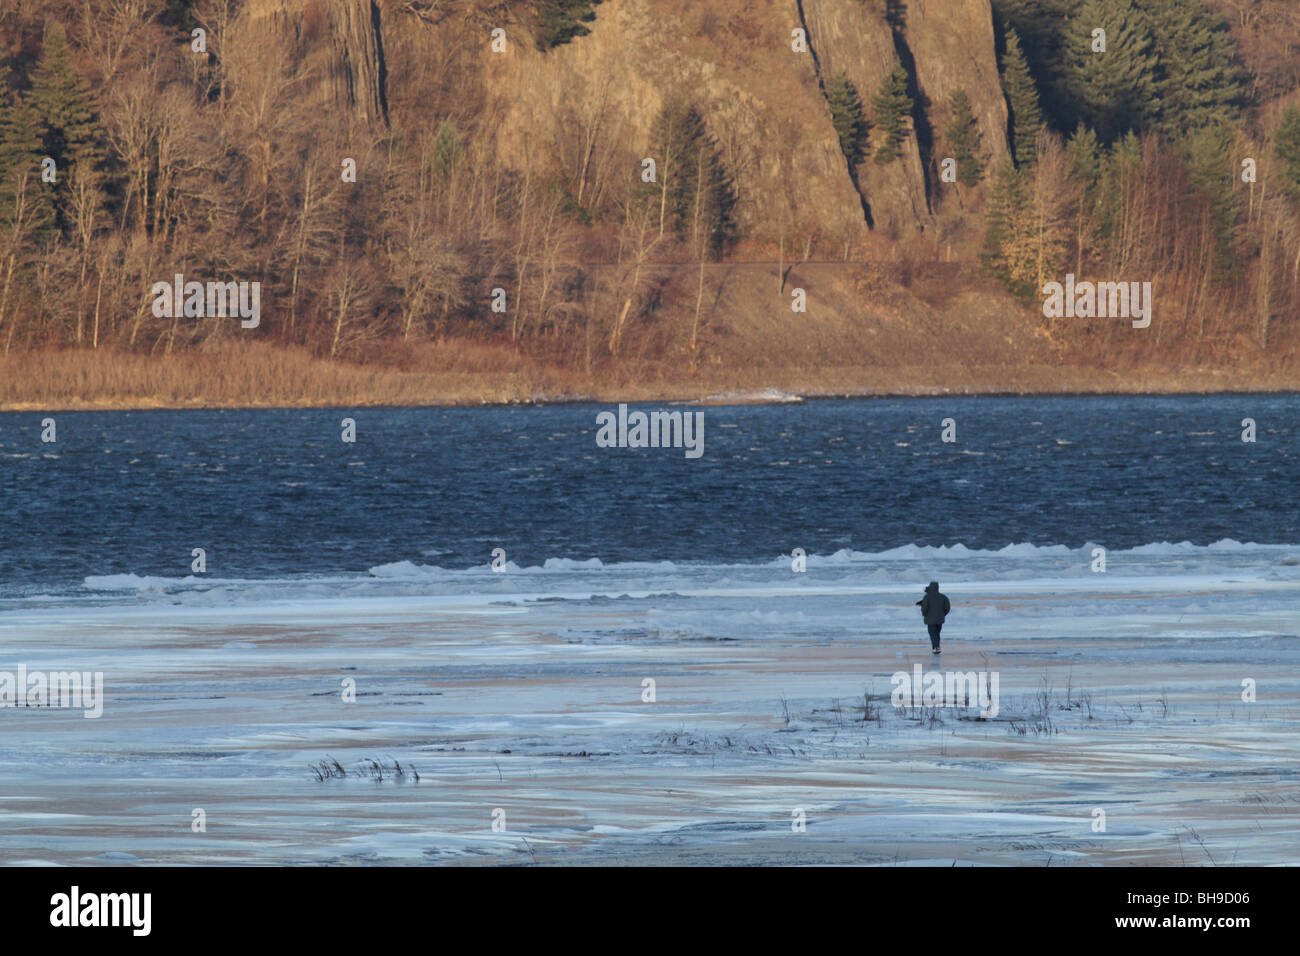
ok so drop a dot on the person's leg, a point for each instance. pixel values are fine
(934, 635)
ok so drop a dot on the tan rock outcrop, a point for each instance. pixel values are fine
(952, 42)
(761, 101)
(339, 40)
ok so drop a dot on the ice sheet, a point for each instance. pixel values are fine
(522, 691)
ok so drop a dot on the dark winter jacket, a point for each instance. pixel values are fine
(934, 606)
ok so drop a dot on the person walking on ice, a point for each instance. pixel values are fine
(934, 608)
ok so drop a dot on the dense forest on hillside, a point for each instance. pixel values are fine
(140, 139)
(1164, 156)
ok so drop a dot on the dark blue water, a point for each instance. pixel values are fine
(275, 493)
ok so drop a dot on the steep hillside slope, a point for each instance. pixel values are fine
(339, 41)
(762, 102)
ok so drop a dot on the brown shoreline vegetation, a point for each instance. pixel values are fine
(260, 375)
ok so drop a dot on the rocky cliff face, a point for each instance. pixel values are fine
(341, 41)
(855, 39)
(953, 47)
(946, 45)
(762, 102)
(759, 99)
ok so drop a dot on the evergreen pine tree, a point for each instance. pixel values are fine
(670, 135)
(21, 152)
(559, 21)
(1022, 101)
(68, 116)
(693, 192)
(1200, 86)
(1118, 90)
(1005, 225)
(1084, 154)
(1028, 231)
(964, 139)
(447, 150)
(846, 116)
(67, 110)
(1040, 27)
(1286, 146)
(1084, 151)
(1126, 152)
(1207, 153)
(709, 220)
(892, 106)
